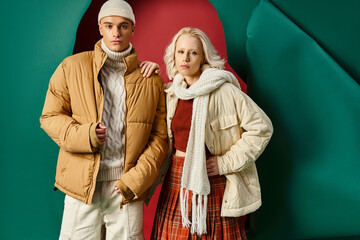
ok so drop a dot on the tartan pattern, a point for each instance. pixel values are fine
(167, 223)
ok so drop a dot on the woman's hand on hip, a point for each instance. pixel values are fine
(212, 166)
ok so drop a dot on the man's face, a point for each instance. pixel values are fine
(116, 32)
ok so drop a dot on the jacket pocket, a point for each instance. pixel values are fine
(135, 215)
(245, 177)
(237, 194)
(224, 122)
(226, 131)
(75, 172)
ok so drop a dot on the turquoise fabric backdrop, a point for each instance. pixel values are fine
(36, 36)
(310, 176)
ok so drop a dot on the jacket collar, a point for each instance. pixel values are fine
(99, 56)
(131, 61)
(168, 88)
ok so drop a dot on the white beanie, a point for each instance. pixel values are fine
(116, 8)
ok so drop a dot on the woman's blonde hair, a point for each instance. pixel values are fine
(212, 60)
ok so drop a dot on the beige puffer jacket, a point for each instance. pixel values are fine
(74, 106)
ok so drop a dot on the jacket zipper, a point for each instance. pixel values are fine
(125, 123)
(99, 116)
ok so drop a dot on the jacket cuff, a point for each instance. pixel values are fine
(94, 140)
(125, 191)
(221, 166)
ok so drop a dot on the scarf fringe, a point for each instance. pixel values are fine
(184, 199)
(198, 211)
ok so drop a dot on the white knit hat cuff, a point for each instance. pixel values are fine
(116, 12)
(116, 8)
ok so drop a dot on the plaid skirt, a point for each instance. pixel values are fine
(168, 224)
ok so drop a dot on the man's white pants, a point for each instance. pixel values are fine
(81, 221)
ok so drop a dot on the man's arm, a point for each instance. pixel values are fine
(149, 162)
(57, 120)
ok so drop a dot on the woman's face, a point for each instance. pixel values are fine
(189, 55)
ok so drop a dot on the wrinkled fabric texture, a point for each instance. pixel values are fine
(74, 106)
(82, 221)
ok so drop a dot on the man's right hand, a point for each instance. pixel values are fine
(101, 133)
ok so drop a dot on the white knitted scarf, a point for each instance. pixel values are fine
(194, 177)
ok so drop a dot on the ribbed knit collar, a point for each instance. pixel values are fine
(115, 59)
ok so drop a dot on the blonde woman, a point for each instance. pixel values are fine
(216, 133)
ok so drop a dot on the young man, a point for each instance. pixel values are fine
(109, 121)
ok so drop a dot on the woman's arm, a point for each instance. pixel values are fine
(258, 131)
(147, 68)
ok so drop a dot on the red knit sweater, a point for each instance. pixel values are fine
(181, 125)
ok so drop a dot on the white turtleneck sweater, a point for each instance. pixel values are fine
(113, 118)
